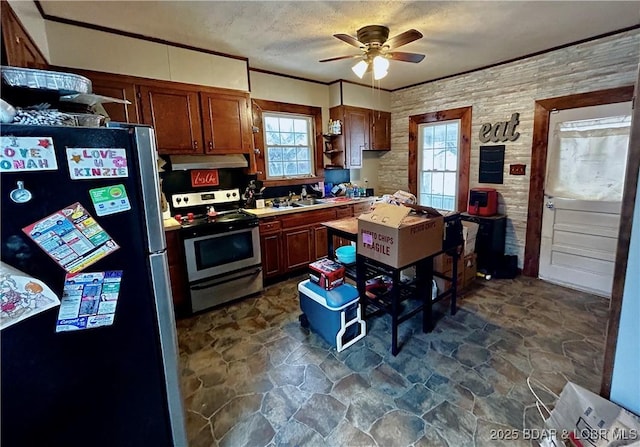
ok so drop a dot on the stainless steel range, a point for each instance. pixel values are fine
(222, 247)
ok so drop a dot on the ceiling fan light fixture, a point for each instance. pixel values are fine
(360, 68)
(380, 67)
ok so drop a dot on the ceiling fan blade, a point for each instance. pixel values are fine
(348, 39)
(340, 58)
(405, 57)
(403, 38)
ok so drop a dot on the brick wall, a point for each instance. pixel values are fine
(494, 94)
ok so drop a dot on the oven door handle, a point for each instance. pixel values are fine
(225, 279)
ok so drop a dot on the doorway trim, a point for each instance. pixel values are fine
(543, 109)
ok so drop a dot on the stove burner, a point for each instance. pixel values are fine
(221, 222)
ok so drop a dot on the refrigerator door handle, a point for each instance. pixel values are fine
(168, 345)
(148, 158)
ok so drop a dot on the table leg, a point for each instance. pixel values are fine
(454, 283)
(395, 310)
(424, 278)
(330, 253)
(360, 283)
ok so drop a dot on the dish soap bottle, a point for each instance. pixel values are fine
(303, 192)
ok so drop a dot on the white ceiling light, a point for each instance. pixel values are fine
(380, 66)
(360, 68)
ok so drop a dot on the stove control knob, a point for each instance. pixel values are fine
(229, 195)
(234, 194)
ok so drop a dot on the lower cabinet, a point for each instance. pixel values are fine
(177, 273)
(297, 248)
(271, 252)
(291, 242)
(319, 242)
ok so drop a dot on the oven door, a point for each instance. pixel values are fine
(216, 254)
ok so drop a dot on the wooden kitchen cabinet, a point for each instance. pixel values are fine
(177, 273)
(362, 130)
(190, 120)
(291, 242)
(116, 86)
(298, 248)
(226, 123)
(271, 247)
(319, 242)
(18, 49)
(175, 115)
(380, 131)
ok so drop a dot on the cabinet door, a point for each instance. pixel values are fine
(356, 135)
(271, 252)
(320, 242)
(115, 88)
(297, 248)
(177, 273)
(226, 123)
(175, 115)
(380, 131)
(19, 49)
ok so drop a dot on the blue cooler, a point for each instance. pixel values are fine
(334, 314)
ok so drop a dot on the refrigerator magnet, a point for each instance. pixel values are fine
(22, 154)
(72, 238)
(93, 163)
(89, 300)
(110, 200)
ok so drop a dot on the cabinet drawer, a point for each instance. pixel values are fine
(360, 208)
(308, 217)
(270, 226)
(344, 211)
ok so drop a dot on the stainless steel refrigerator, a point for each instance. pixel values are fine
(114, 385)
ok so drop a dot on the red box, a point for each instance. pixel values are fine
(326, 273)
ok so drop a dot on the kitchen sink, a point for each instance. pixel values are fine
(305, 202)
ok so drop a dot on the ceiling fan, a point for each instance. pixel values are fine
(377, 49)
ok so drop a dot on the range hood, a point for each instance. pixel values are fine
(179, 162)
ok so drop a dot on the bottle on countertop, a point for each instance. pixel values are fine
(303, 192)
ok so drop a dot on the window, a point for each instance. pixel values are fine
(438, 149)
(439, 154)
(289, 145)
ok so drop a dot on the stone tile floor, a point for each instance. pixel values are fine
(252, 376)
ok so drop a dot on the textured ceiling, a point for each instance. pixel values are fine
(291, 37)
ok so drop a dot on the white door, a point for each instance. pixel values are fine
(586, 159)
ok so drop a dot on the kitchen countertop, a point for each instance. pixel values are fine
(170, 224)
(329, 203)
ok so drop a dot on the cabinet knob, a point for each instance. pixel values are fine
(195, 144)
(210, 145)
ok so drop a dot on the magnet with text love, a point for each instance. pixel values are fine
(93, 163)
(20, 154)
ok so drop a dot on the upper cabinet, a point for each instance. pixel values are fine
(380, 130)
(192, 120)
(17, 47)
(362, 130)
(175, 115)
(119, 87)
(226, 123)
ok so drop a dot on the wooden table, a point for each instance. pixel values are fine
(420, 288)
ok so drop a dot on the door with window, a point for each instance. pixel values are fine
(586, 164)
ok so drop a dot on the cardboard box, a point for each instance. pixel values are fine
(470, 269)
(326, 273)
(389, 235)
(469, 233)
(444, 263)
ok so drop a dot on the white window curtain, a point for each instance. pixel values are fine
(587, 159)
